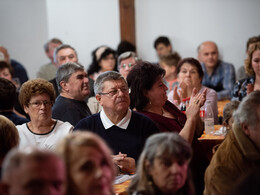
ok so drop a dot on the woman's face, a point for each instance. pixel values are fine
(107, 63)
(5, 73)
(189, 75)
(256, 62)
(157, 94)
(168, 174)
(39, 108)
(90, 171)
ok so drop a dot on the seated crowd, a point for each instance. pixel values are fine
(73, 131)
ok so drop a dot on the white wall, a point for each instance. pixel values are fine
(84, 24)
(188, 23)
(25, 25)
(23, 31)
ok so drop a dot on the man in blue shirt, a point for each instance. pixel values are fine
(218, 75)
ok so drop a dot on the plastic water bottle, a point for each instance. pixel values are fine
(209, 119)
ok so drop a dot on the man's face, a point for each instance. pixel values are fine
(66, 55)
(51, 46)
(126, 65)
(77, 86)
(162, 49)
(208, 54)
(117, 103)
(34, 177)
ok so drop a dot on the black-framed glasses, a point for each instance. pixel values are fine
(116, 91)
(38, 104)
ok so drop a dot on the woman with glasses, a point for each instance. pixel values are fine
(126, 62)
(37, 97)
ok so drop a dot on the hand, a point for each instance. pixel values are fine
(197, 100)
(126, 164)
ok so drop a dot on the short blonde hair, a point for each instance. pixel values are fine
(248, 61)
(66, 147)
(9, 136)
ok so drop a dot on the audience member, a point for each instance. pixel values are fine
(63, 54)
(228, 110)
(7, 101)
(241, 72)
(73, 85)
(6, 72)
(239, 152)
(37, 97)
(218, 75)
(33, 171)
(126, 62)
(19, 70)
(148, 96)
(48, 71)
(125, 131)
(245, 86)
(125, 46)
(89, 166)
(169, 64)
(163, 46)
(190, 75)
(9, 138)
(103, 59)
(163, 167)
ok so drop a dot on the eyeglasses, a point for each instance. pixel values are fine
(116, 91)
(39, 103)
(129, 65)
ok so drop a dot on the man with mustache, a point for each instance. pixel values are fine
(73, 85)
(125, 131)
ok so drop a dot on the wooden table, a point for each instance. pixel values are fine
(121, 189)
(209, 141)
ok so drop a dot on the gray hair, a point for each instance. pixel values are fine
(247, 110)
(16, 157)
(106, 76)
(63, 46)
(53, 40)
(65, 71)
(158, 145)
(126, 55)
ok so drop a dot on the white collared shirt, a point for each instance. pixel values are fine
(123, 124)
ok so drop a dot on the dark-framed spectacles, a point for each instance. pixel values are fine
(115, 92)
(38, 104)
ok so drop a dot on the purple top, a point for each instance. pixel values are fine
(166, 124)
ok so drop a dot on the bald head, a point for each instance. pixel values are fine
(208, 54)
(32, 171)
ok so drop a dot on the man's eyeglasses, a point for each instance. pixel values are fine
(129, 65)
(116, 91)
(39, 103)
